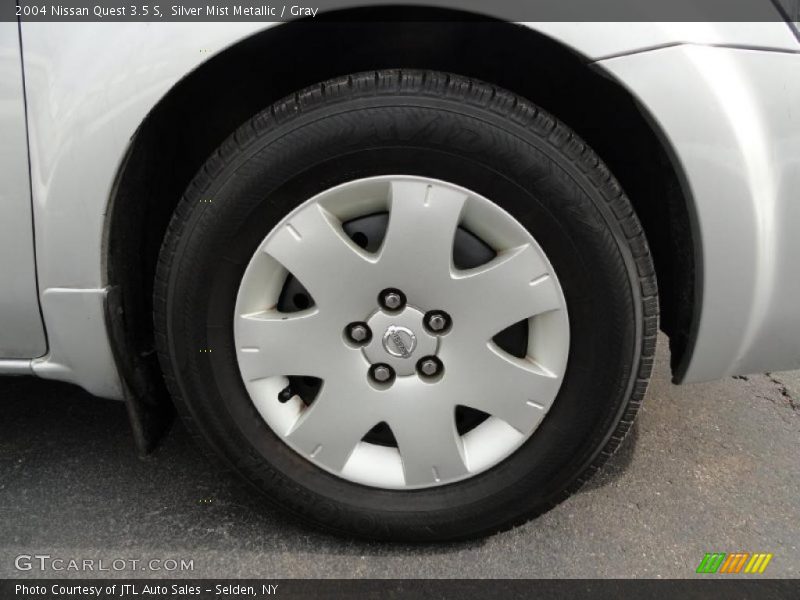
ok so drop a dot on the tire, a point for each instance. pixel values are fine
(427, 125)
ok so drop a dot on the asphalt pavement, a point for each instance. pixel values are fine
(708, 468)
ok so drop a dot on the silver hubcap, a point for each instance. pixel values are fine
(469, 369)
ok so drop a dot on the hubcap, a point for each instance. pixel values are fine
(433, 346)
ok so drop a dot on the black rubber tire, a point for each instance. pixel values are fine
(458, 130)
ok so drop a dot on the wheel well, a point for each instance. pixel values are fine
(194, 118)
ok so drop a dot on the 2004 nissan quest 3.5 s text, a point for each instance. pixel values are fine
(404, 276)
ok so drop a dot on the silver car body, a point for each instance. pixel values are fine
(726, 97)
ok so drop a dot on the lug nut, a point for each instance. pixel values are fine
(359, 333)
(429, 366)
(392, 299)
(381, 373)
(437, 321)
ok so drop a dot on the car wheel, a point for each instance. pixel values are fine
(407, 305)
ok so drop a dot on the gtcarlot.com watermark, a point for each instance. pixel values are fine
(45, 563)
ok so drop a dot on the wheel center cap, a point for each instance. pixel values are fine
(399, 341)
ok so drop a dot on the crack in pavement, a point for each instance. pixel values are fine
(784, 391)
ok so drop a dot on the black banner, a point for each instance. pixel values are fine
(508, 10)
(335, 589)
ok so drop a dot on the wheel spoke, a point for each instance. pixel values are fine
(423, 219)
(273, 343)
(527, 390)
(329, 429)
(429, 445)
(514, 286)
(313, 247)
